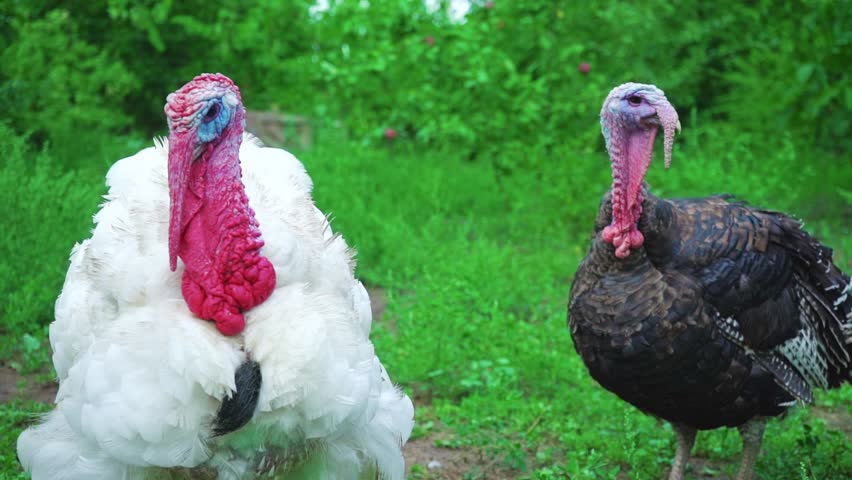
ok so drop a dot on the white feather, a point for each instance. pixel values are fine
(141, 378)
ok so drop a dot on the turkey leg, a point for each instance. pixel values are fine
(685, 441)
(752, 435)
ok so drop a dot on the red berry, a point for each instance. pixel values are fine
(390, 133)
(489, 4)
(584, 67)
(429, 40)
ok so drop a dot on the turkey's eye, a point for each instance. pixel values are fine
(212, 112)
(634, 100)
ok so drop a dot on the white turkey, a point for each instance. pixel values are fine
(283, 380)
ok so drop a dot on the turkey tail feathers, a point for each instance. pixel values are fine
(824, 296)
(238, 409)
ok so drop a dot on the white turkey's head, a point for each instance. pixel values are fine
(201, 114)
(631, 115)
(200, 111)
(212, 227)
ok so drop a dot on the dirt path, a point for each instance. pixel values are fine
(423, 460)
(14, 385)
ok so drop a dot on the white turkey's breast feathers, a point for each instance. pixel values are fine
(142, 378)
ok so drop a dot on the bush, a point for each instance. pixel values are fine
(44, 212)
(58, 86)
(504, 79)
(509, 76)
(790, 71)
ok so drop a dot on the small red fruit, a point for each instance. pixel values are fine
(584, 67)
(429, 40)
(390, 133)
(489, 4)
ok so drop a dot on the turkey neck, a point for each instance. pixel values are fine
(657, 217)
(219, 224)
(630, 155)
(602, 259)
(221, 240)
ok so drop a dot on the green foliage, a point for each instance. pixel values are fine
(507, 78)
(44, 211)
(791, 71)
(504, 80)
(13, 417)
(67, 87)
(106, 65)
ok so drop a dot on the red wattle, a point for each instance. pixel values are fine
(631, 156)
(220, 243)
(225, 272)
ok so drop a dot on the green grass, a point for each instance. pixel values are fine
(477, 263)
(45, 209)
(13, 417)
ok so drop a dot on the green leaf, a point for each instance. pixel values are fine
(29, 343)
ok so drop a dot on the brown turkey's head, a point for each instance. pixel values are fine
(630, 118)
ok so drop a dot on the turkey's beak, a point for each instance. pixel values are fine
(183, 150)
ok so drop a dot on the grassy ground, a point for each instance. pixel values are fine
(473, 264)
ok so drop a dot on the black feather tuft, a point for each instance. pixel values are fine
(238, 409)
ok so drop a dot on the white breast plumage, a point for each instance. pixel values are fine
(141, 378)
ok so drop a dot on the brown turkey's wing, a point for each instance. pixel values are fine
(790, 303)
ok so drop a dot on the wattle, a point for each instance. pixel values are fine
(631, 156)
(225, 272)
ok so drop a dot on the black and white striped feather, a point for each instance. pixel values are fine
(819, 353)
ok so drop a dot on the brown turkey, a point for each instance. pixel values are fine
(704, 312)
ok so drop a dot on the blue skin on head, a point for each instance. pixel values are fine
(213, 120)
